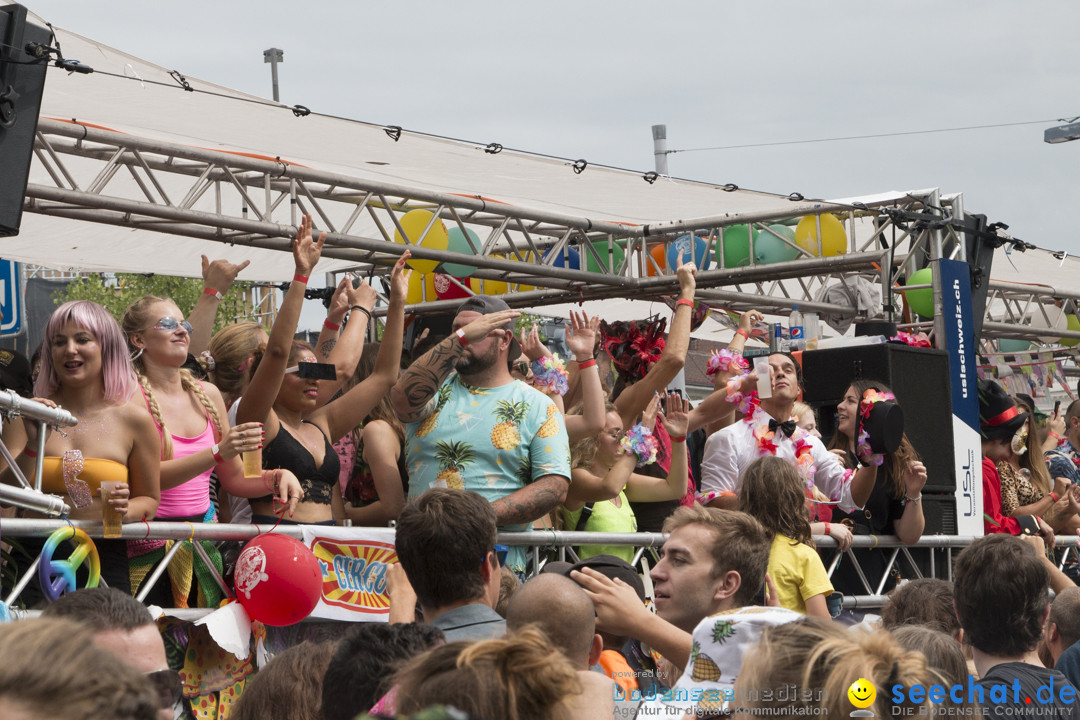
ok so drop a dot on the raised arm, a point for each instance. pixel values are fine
(335, 315)
(218, 277)
(348, 411)
(345, 352)
(634, 399)
(259, 397)
(413, 396)
(581, 339)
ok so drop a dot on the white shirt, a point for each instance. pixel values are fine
(730, 451)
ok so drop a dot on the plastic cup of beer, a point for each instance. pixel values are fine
(111, 518)
(764, 379)
(252, 463)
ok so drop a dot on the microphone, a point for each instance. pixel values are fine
(14, 404)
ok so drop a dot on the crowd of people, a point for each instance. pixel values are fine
(486, 430)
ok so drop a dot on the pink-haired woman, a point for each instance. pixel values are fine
(85, 368)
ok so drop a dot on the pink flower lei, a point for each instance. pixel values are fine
(726, 361)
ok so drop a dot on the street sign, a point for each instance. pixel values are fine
(11, 298)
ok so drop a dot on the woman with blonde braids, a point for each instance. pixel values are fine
(191, 420)
(822, 659)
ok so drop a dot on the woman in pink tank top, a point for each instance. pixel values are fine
(193, 424)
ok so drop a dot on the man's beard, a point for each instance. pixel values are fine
(473, 364)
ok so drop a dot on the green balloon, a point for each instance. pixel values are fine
(768, 248)
(736, 246)
(1012, 345)
(921, 301)
(457, 243)
(615, 255)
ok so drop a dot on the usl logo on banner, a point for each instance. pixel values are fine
(353, 575)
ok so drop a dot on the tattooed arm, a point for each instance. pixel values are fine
(413, 396)
(531, 502)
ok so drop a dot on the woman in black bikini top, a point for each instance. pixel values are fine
(298, 436)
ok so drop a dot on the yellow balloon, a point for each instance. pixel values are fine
(1074, 324)
(418, 286)
(489, 287)
(530, 257)
(833, 237)
(437, 238)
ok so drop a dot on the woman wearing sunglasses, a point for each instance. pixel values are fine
(299, 434)
(196, 439)
(86, 369)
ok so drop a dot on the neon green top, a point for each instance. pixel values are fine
(605, 518)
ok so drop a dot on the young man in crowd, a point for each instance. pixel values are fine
(1002, 592)
(446, 545)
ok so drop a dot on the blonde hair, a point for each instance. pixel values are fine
(136, 319)
(230, 348)
(827, 658)
(515, 677)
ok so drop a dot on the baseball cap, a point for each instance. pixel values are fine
(485, 305)
(607, 565)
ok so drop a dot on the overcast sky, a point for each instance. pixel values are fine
(587, 80)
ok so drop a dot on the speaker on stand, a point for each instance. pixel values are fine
(22, 80)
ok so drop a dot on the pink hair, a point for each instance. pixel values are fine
(117, 372)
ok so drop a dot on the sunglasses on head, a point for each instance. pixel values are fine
(167, 685)
(169, 324)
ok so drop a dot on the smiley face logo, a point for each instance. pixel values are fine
(861, 693)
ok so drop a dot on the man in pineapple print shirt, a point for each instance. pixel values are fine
(471, 426)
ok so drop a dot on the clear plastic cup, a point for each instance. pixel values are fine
(764, 381)
(111, 518)
(252, 463)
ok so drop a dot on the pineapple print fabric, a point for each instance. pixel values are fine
(720, 643)
(492, 441)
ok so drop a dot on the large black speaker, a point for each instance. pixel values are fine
(22, 78)
(920, 379)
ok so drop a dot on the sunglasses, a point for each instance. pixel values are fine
(169, 324)
(167, 685)
(501, 552)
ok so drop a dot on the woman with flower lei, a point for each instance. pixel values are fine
(895, 504)
(603, 473)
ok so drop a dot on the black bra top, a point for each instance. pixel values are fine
(286, 452)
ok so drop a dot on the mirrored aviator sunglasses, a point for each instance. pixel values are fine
(169, 324)
(168, 686)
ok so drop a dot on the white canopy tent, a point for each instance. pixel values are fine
(140, 169)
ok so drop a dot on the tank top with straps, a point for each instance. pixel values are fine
(288, 453)
(191, 497)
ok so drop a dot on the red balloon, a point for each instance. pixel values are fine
(278, 580)
(447, 290)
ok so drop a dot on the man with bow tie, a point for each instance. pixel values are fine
(769, 429)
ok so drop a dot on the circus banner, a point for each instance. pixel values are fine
(354, 563)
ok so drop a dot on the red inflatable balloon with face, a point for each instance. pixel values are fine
(278, 580)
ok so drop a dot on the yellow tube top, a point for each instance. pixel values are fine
(95, 471)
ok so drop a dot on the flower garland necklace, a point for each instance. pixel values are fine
(750, 407)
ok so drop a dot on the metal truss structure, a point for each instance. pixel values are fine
(107, 177)
(931, 556)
